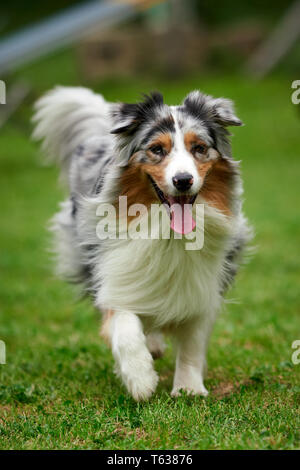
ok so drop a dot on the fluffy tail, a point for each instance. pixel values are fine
(65, 118)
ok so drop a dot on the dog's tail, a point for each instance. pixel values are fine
(65, 118)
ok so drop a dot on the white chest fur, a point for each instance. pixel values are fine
(160, 278)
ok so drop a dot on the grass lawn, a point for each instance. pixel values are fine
(58, 390)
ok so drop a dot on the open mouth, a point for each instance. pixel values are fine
(179, 208)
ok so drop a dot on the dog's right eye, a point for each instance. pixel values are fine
(157, 150)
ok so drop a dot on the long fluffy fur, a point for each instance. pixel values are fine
(147, 285)
(67, 117)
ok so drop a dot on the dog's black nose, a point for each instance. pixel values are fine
(183, 181)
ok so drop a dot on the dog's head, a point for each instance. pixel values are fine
(171, 154)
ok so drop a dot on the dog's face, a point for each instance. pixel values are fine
(171, 154)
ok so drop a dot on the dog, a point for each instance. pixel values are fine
(174, 158)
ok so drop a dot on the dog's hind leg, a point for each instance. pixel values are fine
(156, 344)
(133, 359)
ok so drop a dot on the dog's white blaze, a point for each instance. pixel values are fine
(181, 161)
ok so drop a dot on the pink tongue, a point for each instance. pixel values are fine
(181, 217)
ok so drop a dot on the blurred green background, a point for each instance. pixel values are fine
(57, 389)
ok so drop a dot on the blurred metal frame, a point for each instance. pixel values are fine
(64, 29)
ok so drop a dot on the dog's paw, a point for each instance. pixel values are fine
(178, 389)
(142, 384)
(156, 345)
(137, 373)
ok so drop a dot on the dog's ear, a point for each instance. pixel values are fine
(205, 107)
(128, 117)
(223, 110)
(125, 118)
(216, 114)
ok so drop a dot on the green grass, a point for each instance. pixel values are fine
(58, 390)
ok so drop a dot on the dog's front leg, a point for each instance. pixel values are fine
(192, 340)
(133, 359)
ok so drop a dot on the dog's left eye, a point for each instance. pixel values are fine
(157, 150)
(199, 148)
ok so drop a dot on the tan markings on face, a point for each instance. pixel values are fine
(191, 139)
(216, 175)
(136, 186)
(204, 168)
(157, 172)
(163, 140)
(216, 189)
(135, 183)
